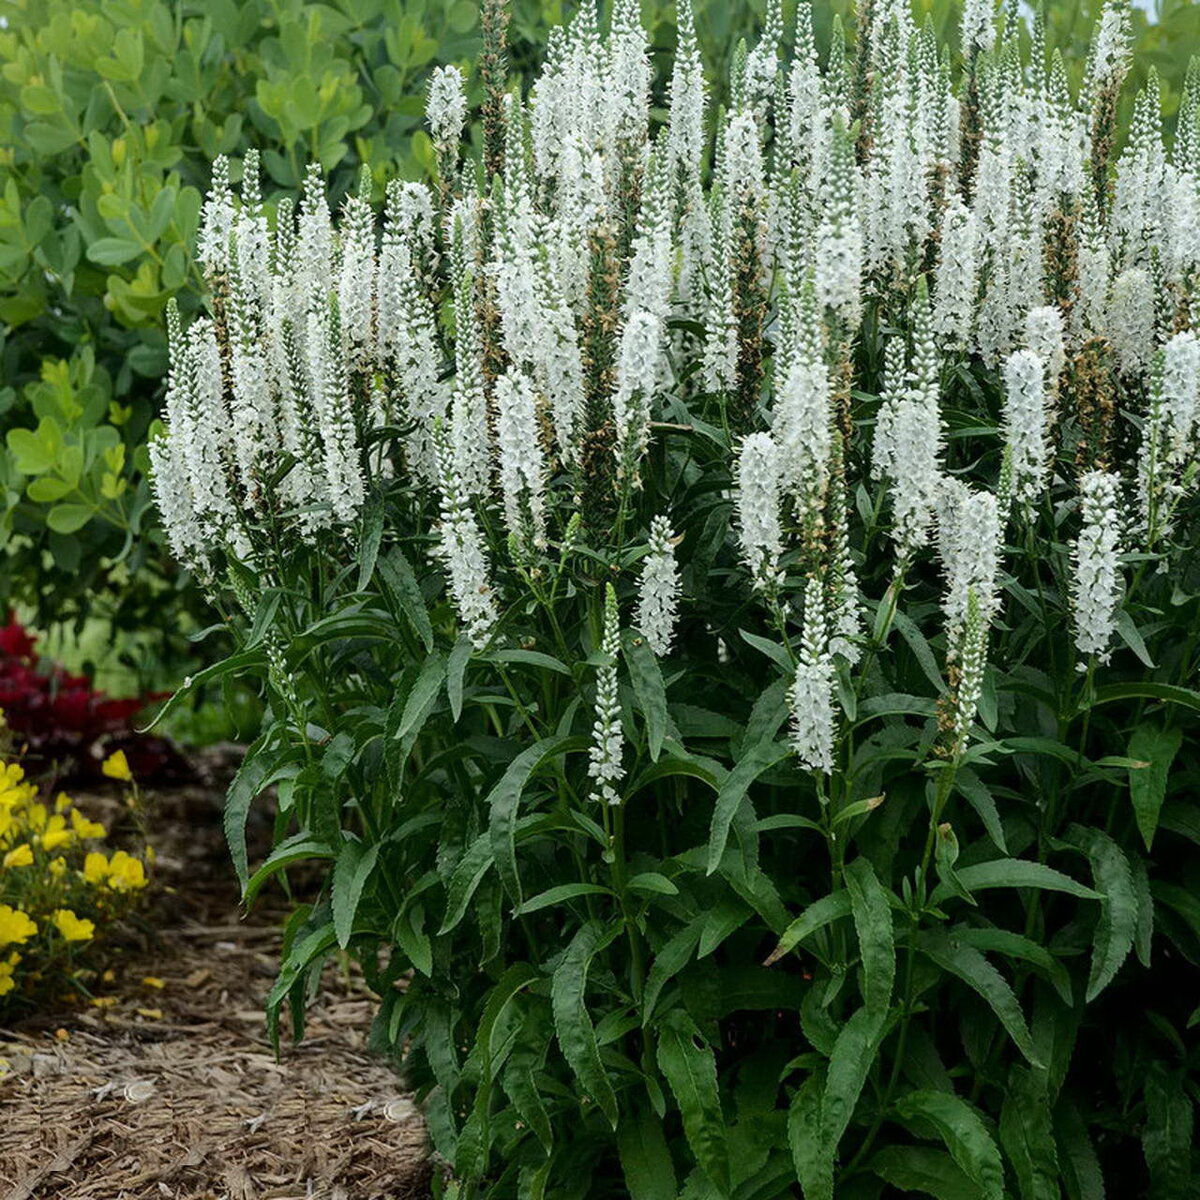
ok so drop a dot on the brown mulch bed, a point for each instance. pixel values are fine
(173, 1091)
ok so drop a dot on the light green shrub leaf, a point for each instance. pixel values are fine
(1148, 784)
(966, 1137)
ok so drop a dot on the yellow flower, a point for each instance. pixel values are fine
(62, 802)
(19, 856)
(58, 866)
(126, 873)
(35, 817)
(7, 967)
(95, 867)
(116, 766)
(85, 828)
(73, 928)
(15, 926)
(56, 833)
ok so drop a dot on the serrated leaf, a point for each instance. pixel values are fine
(645, 1158)
(646, 677)
(671, 958)
(816, 916)
(974, 970)
(812, 1157)
(1148, 785)
(1027, 1135)
(1117, 927)
(573, 1025)
(398, 578)
(1167, 1140)
(350, 874)
(419, 702)
(962, 1129)
(1015, 872)
(922, 1169)
(691, 1070)
(468, 874)
(504, 800)
(737, 783)
(873, 923)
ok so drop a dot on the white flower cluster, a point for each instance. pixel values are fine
(812, 691)
(658, 602)
(515, 347)
(1096, 588)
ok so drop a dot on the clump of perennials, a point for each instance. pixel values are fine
(62, 891)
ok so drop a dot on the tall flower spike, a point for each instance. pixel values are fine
(607, 740)
(1025, 419)
(685, 130)
(335, 415)
(216, 221)
(522, 463)
(956, 285)
(446, 112)
(637, 375)
(356, 279)
(839, 240)
(811, 694)
(658, 593)
(758, 498)
(969, 543)
(462, 548)
(1096, 586)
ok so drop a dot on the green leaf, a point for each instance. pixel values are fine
(922, 1169)
(556, 895)
(737, 783)
(467, 876)
(1117, 927)
(1027, 1135)
(247, 783)
(1186, 697)
(1015, 872)
(962, 1129)
(816, 916)
(849, 1065)
(652, 883)
(419, 701)
(296, 849)
(646, 677)
(456, 669)
(1167, 1140)
(810, 1153)
(573, 1025)
(113, 251)
(983, 802)
(1014, 945)
(1082, 1174)
(645, 1158)
(1148, 785)
(503, 803)
(350, 874)
(976, 972)
(530, 658)
(399, 580)
(670, 960)
(873, 923)
(691, 1071)
(69, 518)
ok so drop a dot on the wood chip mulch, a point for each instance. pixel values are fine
(171, 1090)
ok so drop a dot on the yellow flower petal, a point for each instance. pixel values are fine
(73, 928)
(15, 926)
(19, 856)
(116, 766)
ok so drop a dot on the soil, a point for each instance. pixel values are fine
(171, 1089)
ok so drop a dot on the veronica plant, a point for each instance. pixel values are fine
(723, 593)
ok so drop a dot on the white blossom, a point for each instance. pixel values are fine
(758, 500)
(813, 724)
(522, 462)
(658, 591)
(1096, 585)
(1024, 416)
